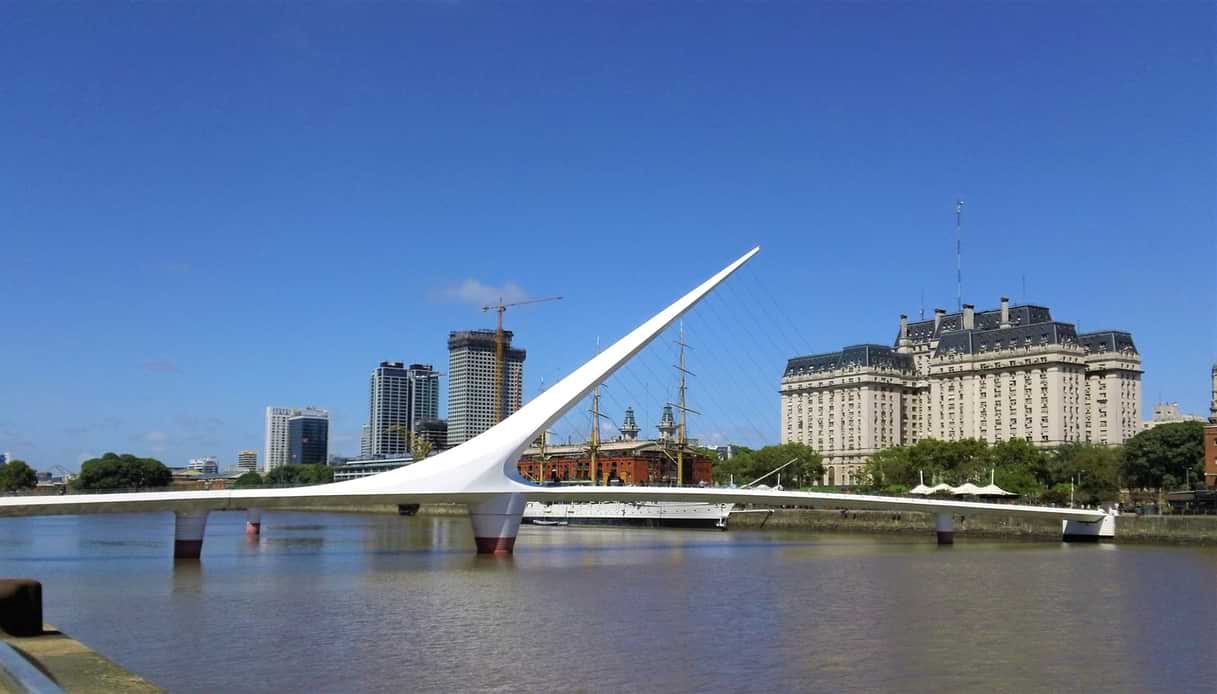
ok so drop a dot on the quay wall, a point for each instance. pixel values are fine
(339, 507)
(1129, 528)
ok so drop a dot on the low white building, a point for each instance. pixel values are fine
(354, 469)
(206, 465)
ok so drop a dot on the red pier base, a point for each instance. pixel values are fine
(495, 545)
(253, 522)
(496, 522)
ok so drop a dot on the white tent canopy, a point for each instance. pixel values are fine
(965, 489)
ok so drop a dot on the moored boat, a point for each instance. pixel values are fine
(646, 514)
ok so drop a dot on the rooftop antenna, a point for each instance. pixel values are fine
(922, 304)
(1024, 297)
(958, 268)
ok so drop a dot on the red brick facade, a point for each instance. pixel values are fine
(640, 467)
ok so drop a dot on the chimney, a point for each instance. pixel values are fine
(938, 314)
(969, 316)
(903, 342)
(1005, 312)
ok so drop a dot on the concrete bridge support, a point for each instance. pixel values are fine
(188, 531)
(945, 527)
(1103, 530)
(253, 522)
(496, 523)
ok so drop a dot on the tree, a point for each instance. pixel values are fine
(890, 470)
(747, 466)
(249, 479)
(287, 475)
(17, 475)
(1015, 464)
(420, 447)
(1096, 471)
(1166, 456)
(113, 471)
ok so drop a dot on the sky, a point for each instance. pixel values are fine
(209, 208)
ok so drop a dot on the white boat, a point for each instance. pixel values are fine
(646, 514)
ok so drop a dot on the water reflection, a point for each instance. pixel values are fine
(377, 601)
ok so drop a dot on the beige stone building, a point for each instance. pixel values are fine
(1009, 373)
(1168, 413)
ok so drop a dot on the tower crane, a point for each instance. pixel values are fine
(501, 308)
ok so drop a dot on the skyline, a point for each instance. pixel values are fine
(277, 204)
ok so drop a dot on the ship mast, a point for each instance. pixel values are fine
(683, 428)
(594, 443)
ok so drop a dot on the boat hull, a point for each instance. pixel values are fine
(648, 514)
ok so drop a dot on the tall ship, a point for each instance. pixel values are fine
(671, 459)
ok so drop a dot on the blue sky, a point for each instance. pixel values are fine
(208, 209)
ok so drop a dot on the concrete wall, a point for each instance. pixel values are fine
(1129, 528)
(884, 521)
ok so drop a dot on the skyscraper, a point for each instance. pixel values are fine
(308, 437)
(276, 437)
(424, 394)
(471, 378)
(399, 398)
(276, 433)
(365, 441)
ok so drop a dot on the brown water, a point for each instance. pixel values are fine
(346, 603)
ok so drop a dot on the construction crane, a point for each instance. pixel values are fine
(501, 308)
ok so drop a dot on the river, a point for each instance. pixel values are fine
(380, 603)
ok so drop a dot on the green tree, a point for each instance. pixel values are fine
(1015, 464)
(113, 471)
(286, 475)
(1094, 472)
(891, 471)
(747, 466)
(249, 479)
(17, 475)
(1164, 457)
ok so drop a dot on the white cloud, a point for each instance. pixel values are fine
(475, 293)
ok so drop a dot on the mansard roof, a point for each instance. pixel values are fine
(1107, 341)
(855, 355)
(1025, 314)
(974, 341)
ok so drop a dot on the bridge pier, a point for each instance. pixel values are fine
(496, 522)
(1102, 530)
(188, 528)
(253, 522)
(945, 527)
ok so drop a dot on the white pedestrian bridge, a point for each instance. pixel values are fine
(482, 473)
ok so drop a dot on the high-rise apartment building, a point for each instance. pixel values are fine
(277, 435)
(1009, 373)
(247, 461)
(308, 437)
(399, 399)
(276, 438)
(471, 379)
(365, 441)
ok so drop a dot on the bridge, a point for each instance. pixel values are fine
(482, 474)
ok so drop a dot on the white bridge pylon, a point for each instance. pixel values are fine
(483, 473)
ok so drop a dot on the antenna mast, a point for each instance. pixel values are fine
(958, 267)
